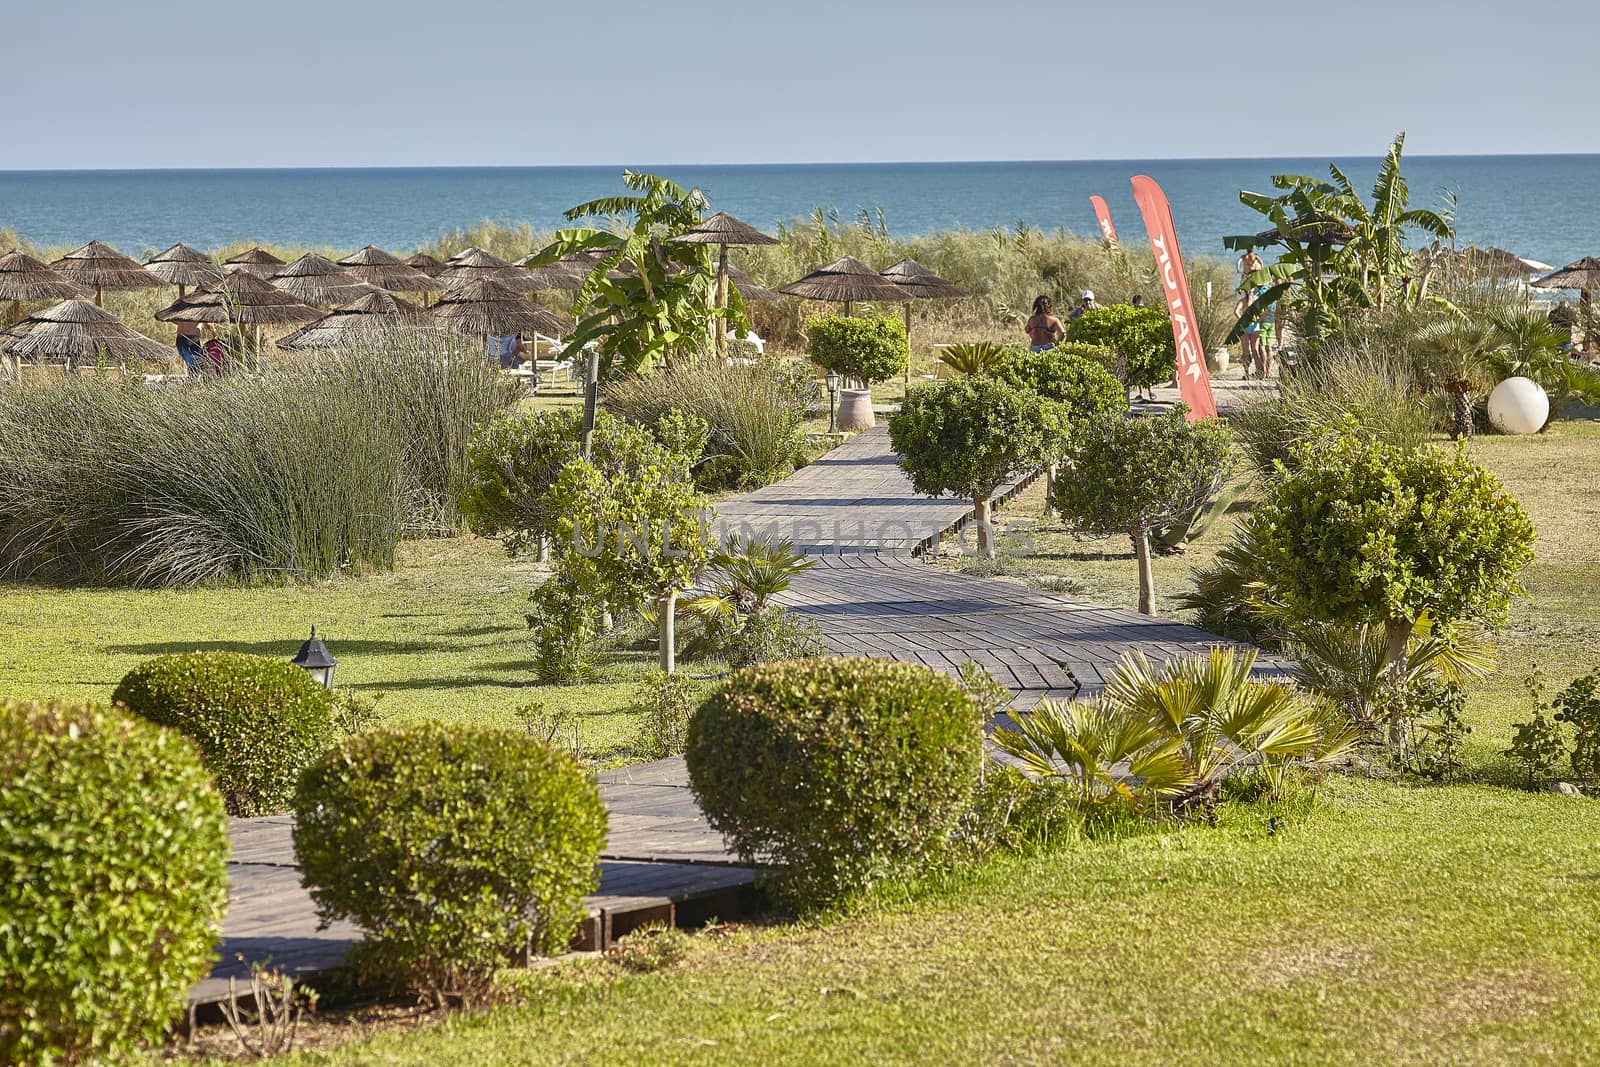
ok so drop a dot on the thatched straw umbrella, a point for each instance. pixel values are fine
(241, 299)
(722, 230)
(376, 267)
(317, 280)
(920, 283)
(844, 281)
(98, 266)
(76, 330)
(183, 266)
(24, 278)
(1495, 262)
(425, 263)
(748, 287)
(1584, 276)
(375, 312)
(257, 261)
(474, 264)
(485, 306)
(567, 273)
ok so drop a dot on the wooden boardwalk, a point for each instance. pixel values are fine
(855, 511)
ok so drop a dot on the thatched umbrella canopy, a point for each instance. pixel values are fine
(1495, 262)
(1584, 276)
(183, 266)
(76, 330)
(98, 266)
(376, 267)
(375, 312)
(846, 281)
(474, 264)
(567, 273)
(748, 287)
(722, 230)
(240, 298)
(485, 306)
(257, 261)
(425, 263)
(317, 280)
(24, 278)
(920, 283)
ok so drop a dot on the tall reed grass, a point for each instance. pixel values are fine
(297, 474)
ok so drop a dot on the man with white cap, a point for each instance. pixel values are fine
(1086, 303)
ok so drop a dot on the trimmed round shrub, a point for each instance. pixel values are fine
(113, 880)
(839, 771)
(873, 350)
(258, 721)
(1082, 385)
(1140, 335)
(453, 847)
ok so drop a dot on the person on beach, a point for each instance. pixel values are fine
(1044, 330)
(1247, 265)
(1085, 303)
(214, 354)
(507, 351)
(189, 347)
(1137, 300)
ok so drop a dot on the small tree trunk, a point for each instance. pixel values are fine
(980, 512)
(669, 653)
(1462, 427)
(1397, 634)
(1147, 575)
(544, 549)
(1050, 489)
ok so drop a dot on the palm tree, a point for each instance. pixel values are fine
(1456, 357)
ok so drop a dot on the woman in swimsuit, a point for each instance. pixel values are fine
(1044, 330)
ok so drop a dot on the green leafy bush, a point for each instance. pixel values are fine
(1142, 336)
(113, 881)
(772, 635)
(665, 702)
(454, 847)
(1134, 476)
(969, 436)
(1578, 705)
(1360, 532)
(1082, 386)
(563, 623)
(258, 721)
(869, 350)
(838, 771)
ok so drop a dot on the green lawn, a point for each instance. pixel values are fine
(443, 636)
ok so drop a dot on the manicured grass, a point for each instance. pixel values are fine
(1391, 925)
(442, 637)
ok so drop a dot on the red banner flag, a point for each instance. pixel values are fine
(1102, 215)
(1193, 382)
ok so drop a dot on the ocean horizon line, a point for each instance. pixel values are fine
(657, 167)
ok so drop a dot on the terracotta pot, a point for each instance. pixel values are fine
(855, 409)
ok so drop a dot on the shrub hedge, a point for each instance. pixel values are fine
(1142, 336)
(257, 721)
(873, 350)
(453, 847)
(113, 854)
(838, 771)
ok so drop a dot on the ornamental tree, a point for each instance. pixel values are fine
(1360, 532)
(514, 461)
(1134, 475)
(643, 537)
(969, 436)
(867, 350)
(1140, 335)
(1069, 375)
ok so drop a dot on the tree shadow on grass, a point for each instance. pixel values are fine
(463, 681)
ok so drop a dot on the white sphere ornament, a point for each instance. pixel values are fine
(1518, 405)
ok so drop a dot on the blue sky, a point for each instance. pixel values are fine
(117, 83)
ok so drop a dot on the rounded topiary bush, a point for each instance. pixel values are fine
(839, 771)
(452, 847)
(258, 722)
(1081, 384)
(113, 880)
(872, 350)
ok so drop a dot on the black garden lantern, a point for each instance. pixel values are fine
(315, 660)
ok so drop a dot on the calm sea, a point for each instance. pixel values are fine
(1541, 207)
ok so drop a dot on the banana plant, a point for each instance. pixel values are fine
(647, 298)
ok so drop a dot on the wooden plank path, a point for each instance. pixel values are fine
(854, 510)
